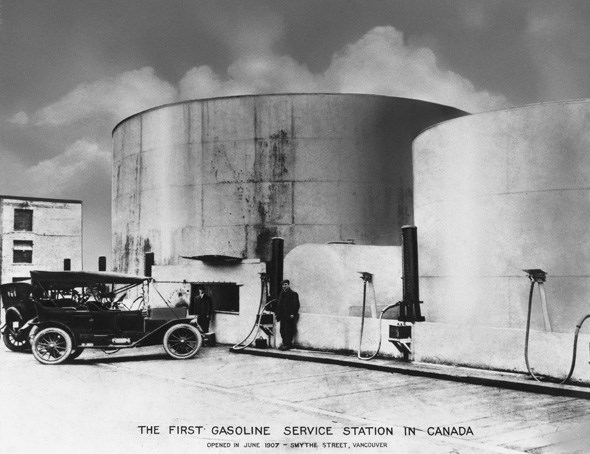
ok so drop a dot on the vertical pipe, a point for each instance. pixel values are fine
(67, 264)
(276, 266)
(411, 290)
(102, 263)
(410, 307)
(148, 263)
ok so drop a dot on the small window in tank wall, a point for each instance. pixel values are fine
(22, 251)
(23, 219)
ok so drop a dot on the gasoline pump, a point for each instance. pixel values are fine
(368, 278)
(538, 276)
(270, 284)
(400, 335)
(265, 320)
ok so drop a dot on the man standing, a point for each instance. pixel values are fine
(287, 314)
(202, 307)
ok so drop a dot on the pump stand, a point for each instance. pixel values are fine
(401, 337)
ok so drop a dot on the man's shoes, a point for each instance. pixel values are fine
(284, 347)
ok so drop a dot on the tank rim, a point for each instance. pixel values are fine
(262, 95)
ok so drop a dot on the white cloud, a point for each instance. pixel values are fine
(379, 63)
(252, 74)
(19, 119)
(78, 169)
(81, 170)
(120, 96)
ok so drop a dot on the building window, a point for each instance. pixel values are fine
(22, 251)
(23, 219)
(225, 297)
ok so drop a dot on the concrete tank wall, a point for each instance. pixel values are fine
(496, 193)
(225, 175)
(328, 280)
(330, 288)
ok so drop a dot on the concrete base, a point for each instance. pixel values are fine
(550, 354)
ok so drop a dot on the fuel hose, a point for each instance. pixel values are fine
(367, 358)
(249, 339)
(526, 342)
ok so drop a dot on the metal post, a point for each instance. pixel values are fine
(410, 304)
(148, 263)
(276, 266)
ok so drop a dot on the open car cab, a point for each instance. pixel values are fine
(76, 310)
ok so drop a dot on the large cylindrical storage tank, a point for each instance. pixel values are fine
(496, 193)
(225, 175)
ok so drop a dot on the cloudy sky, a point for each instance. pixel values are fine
(71, 70)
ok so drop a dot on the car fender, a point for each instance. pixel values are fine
(41, 326)
(10, 310)
(14, 310)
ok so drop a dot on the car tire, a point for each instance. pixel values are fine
(32, 333)
(75, 353)
(182, 341)
(11, 340)
(14, 344)
(52, 346)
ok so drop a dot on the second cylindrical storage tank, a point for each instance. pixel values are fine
(223, 176)
(499, 192)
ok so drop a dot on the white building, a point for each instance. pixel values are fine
(38, 233)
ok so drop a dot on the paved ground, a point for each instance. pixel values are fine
(99, 403)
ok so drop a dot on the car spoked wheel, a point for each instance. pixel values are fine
(182, 341)
(52, 346)
(14, 341)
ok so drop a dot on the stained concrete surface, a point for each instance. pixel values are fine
(97, 403)
(309, 168)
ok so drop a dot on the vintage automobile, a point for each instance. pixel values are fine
(78, 310)
(19, 310)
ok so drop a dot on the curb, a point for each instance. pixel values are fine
(514, 381)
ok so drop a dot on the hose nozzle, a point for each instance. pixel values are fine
(366, 276)
(536, 275)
